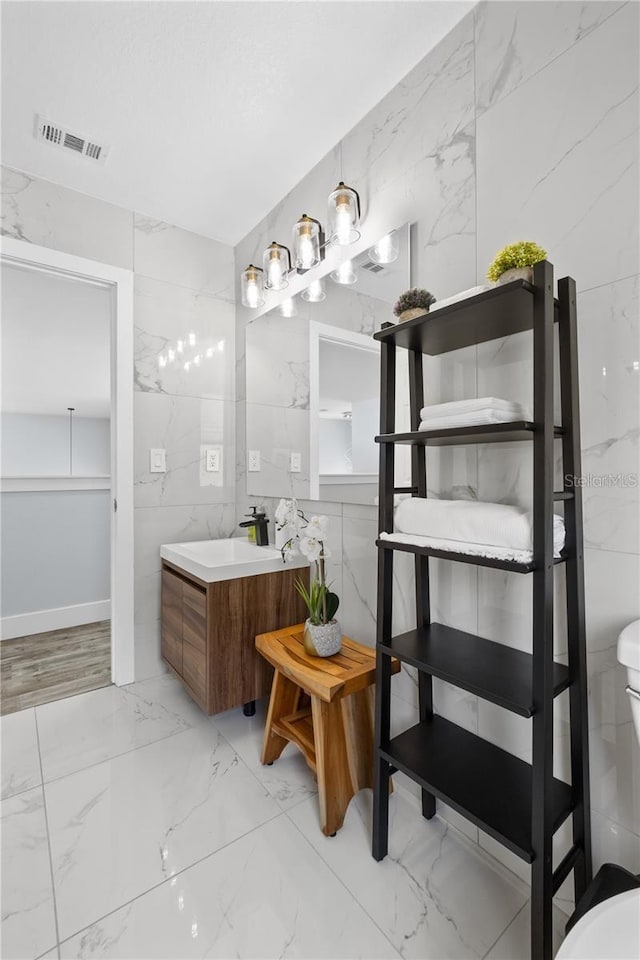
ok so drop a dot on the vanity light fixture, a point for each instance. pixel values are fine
(251, 287)
(344, 274)
(314, 293)
(344, 215)
(308, 243)
(308, 250)
(288, 308)
(386, 250)
(276, 262)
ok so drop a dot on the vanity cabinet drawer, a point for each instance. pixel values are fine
(194, 671)
(172, 619)
(194, 616)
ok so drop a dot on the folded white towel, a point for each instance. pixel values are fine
(474, 419)
(469, 526)
(457, 407)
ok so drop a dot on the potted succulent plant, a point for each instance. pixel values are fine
(515, 262)
(413, 303)
(322, 632)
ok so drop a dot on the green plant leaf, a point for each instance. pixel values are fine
(333, 602)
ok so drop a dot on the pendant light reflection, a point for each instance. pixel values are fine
(345, 274)
(276, 262)
(344, 215)
(386, 250)
(306, 243)
(288, 308)
(251, 287)
(314, 293)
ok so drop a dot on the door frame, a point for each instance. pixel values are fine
(119, 282)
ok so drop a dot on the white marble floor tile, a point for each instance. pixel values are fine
(515, 942)
(289, 780)
(123, 826)
(433, 895)
(50, 955)
(20, 761)
(266, 895)
(80, 731)
(28, 921)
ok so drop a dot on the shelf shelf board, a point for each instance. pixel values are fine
(487, 785)
(495, 313)
(510, 565)
(514, 431)
(485, 668)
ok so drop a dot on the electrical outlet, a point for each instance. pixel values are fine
(212, 460)
(253, 461)
(157, 461)
(295, 463)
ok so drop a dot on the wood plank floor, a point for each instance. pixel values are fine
(49, 666)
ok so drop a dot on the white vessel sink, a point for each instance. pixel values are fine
(213, 560)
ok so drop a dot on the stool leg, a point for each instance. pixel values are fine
(335, 789)
(282, 702)
(357, 714)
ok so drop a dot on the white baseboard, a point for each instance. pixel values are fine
(41, 621)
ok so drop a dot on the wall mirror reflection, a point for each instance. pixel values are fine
(313, 380)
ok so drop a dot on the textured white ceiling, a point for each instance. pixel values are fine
(213, 110)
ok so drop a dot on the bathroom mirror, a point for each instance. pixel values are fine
(313, 374)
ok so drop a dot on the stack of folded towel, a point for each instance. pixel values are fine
(495, 530)
(471, 413)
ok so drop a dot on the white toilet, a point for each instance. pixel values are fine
(611, 930)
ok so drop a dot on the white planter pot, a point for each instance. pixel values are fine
(517, 273)
(322, 639)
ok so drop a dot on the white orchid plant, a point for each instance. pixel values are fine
(307, 536)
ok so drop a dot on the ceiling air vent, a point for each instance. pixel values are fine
(372, 267)
(58, 136)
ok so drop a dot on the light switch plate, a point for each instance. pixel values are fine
(157, 460)
(253, 461)
(295, 463)
(212, 460)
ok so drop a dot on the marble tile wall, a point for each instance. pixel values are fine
(523, 122)
(183, 284)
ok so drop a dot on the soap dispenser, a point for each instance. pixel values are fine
(251, 529)
(256, 526)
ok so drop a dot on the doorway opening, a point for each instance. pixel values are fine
(66, 510)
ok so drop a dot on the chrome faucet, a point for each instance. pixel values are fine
(259, 520)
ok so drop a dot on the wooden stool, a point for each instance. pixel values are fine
(334, 731)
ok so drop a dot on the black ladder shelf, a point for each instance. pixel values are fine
(519, 804)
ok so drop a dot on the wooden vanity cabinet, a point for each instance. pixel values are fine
(209, 631)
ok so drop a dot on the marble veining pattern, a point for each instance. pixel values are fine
(185, 846)
(516, 41)
(21, 761)
(28, 921)
(158, 809)
(46, 214)
(186, 427)
(582, 154)
(166, 252)
(165, 314)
